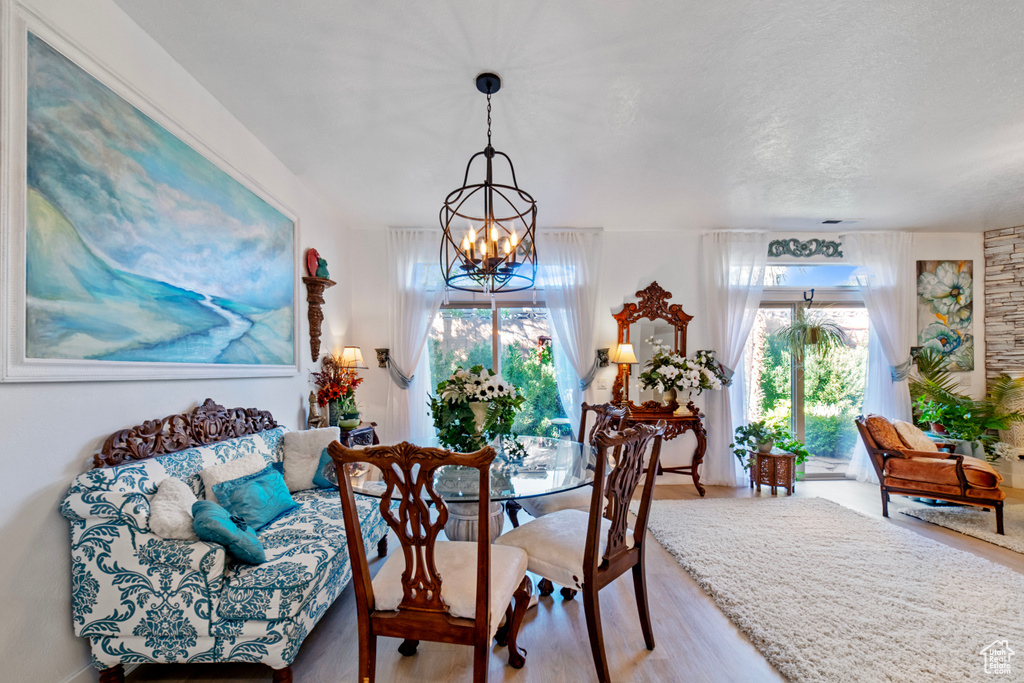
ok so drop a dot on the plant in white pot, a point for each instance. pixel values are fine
(472, 407)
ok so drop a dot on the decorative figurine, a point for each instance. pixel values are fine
(316, 420)
(312, 261)
(321, 268)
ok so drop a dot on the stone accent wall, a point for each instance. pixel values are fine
(1004, 301)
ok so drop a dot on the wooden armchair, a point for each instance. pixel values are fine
(440, 591)
(590, 550)
(928, 474)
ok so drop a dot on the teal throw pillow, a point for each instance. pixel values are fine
(258, 498)
(215, 524)
(279, 466)
(326, 474)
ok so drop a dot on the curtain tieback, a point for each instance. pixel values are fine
(902, 371)
(398, 376)
(727, 371)
(586, 380)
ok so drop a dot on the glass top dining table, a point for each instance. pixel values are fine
(540, 467)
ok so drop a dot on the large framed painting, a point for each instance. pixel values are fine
(945, 311)
(137, 252)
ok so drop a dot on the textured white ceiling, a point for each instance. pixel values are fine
(662, 114)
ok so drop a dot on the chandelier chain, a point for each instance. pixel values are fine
(488, 117)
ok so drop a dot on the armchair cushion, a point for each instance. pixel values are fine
(884, 434)
(927, 487)
(555, 544)
(914, 437)
(930, 469)
(456, 562)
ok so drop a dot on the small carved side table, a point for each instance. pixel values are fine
(777, 468)
(363, 435)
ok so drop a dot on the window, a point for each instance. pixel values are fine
(818, 399)
(513, 339)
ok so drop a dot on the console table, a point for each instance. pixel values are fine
(676, 424)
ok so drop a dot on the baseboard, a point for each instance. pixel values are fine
(89, 674)
(86, 674)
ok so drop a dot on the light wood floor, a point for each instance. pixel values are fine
(695, 642)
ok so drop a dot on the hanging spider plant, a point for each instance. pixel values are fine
(812, 331)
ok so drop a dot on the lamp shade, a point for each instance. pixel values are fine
(352, 357)
(624, 354)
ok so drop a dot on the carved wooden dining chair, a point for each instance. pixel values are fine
(590, 550)
(606, 416)
(435, 590)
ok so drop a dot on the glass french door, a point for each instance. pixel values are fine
(818, 399)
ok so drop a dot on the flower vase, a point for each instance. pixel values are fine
(342, 416)
(669, 397)
(334, 413)
(479, 409)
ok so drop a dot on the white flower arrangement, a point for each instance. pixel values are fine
(669, 370)
(477, 384)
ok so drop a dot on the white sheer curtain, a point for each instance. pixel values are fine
(415, 295)
(571, 262)
(734, 265)
(885, 281)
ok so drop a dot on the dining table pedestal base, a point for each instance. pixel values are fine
(464, 521)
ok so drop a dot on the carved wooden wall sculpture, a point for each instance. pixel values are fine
(315, 287)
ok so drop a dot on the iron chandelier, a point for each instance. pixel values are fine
(497, 250)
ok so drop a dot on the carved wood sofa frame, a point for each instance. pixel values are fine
(880, 456)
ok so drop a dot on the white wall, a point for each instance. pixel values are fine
(48, 432)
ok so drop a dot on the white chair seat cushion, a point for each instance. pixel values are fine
(456, 563)
(575, 499)
(555, 544)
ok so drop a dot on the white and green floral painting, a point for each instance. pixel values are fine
(945, 311)
(138, 248)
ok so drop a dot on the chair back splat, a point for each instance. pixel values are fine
(408, 474)
(627, 450)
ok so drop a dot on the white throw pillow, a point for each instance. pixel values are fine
(915, 439)
(302, 455)
(170, 511)
(232, 469)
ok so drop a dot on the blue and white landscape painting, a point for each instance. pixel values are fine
(138, 248)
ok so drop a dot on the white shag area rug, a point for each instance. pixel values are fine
(979, 523)
(828, 594)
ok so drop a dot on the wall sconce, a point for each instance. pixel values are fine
(382, 357)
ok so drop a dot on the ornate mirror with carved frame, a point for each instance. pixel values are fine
(654, 307)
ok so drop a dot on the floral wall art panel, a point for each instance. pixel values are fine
(945, 311)
(139, 249)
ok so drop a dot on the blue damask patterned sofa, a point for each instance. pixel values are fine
(140, 598)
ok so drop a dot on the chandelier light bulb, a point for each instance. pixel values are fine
(472, 233)
(508, 247)
(514, 238)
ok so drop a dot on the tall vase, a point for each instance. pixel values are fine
(479, 409)
(335, 413)
(669, 396)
